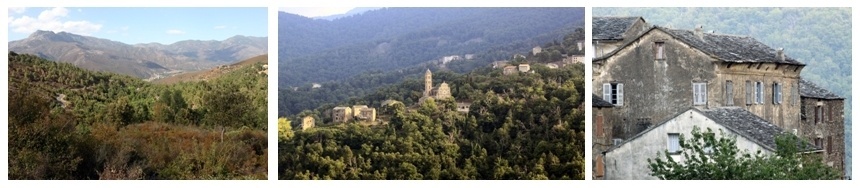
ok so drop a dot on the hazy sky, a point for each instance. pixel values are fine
(141, 25)
(316, 11)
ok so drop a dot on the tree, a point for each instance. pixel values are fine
(707, 157)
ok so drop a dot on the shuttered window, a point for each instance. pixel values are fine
(777, 93)
(674, 143)
(700, 93)
(614, 93)
(759, 93)
(660, 54)
(729, 92)
(749, 92)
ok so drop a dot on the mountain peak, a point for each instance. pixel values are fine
(41, 33)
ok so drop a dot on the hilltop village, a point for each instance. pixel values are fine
(654, 83)
(518, 64)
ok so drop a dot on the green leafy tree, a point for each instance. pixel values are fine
(707, 157)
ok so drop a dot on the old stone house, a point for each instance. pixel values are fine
(628, 160)
(510, 69)
(609, 33)
(823, 121)
(600, 139)
(364, 113)
(654, 75)
(341, 114)
(524, 67)
(307, 122)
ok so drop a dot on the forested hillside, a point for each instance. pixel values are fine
(394, 38)
(294, 100)
(69, 123)
(818, 37)
(520, 126)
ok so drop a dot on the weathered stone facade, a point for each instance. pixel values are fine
(658, 72)
(823, 122)
(341, 114)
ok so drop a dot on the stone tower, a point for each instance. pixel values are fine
(428, 83)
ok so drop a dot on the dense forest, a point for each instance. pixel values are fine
(818, 37)
(292, 101)
(519, 126)
(395, 38)
(69, 123)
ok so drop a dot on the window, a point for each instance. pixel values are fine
(777, 93)
(802, 112)
(700, 93)
(660, 53)
(729, 92)
(817, 114)
(614, 93)
(829, 144)
(749, 92)
(674, 144)
(818, 142)
(759, 93)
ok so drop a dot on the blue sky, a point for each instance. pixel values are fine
(141, 25)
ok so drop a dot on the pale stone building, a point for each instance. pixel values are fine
(628, 160)
(341, 114)
(307, 122)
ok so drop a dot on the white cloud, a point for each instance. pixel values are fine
(315, 11)
(17, 10)
(52, 20)
(220, 27)
(175, 32)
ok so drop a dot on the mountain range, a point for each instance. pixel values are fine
(148, 61)
(389, 39)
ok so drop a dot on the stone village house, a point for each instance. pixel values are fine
(649, 74)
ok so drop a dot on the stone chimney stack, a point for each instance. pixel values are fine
(699, 32)
(780, 55)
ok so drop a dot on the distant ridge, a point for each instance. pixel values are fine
(148, 61)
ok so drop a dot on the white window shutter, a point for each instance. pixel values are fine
(748, 91)
(607, 92)
(773, 98)
(779, 93)
(704, 92)
(620, 94)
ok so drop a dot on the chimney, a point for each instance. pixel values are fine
(780, 55)
(699, 32)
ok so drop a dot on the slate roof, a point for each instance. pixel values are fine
(752, 127)
(810, 90)
(597, 101)
(611, 28)
(741, 122)
(728, 48)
